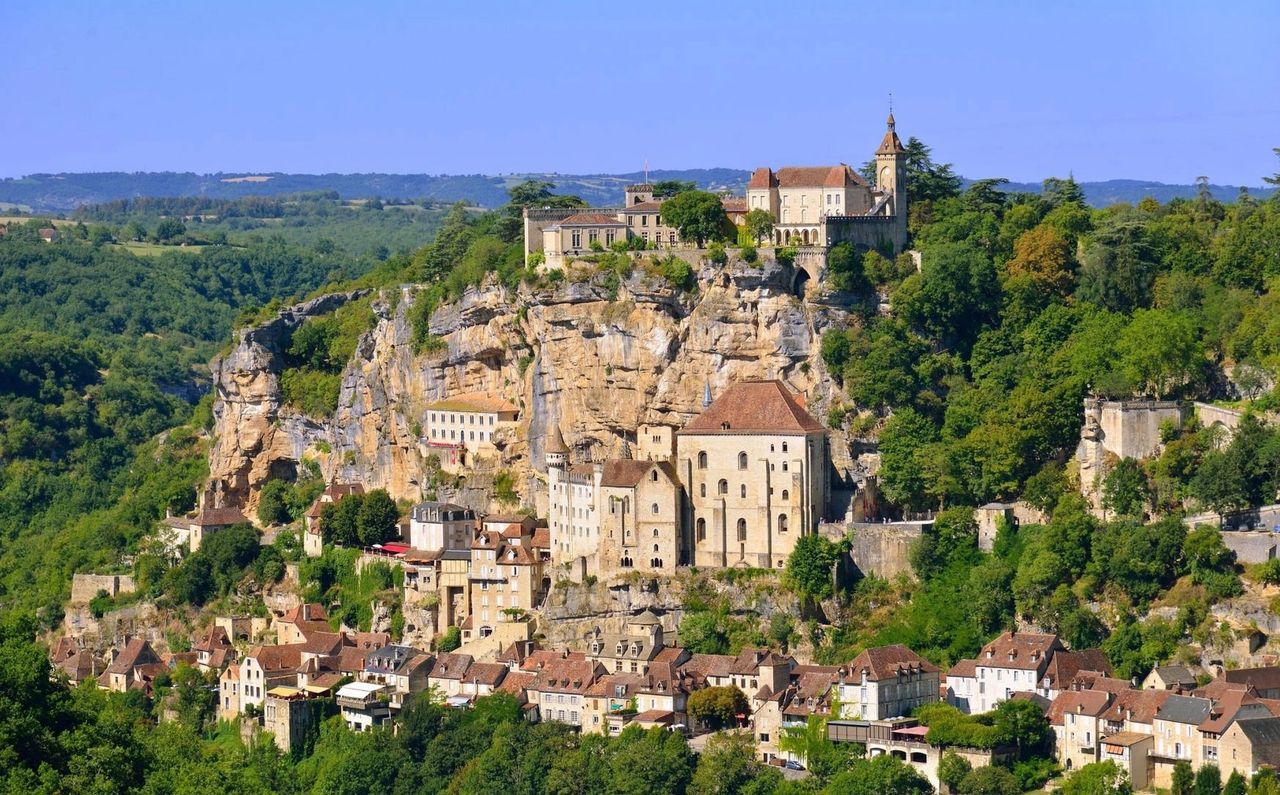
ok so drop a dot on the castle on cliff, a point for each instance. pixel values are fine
(817, 206)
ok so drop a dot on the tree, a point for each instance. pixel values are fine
(666, 188)
(989, 780)
(1236, 784)
(728, 766)
(192, 582)
(702, 632)
(878, 775)
(230, 552)
(1208, 780)
(1125, 490)
(1043, 256)
(1098, 778)
(903, 443)
(952, 769)
(338, 520)
(844, 268)
(953, 297)
(698, 216)
(1184, 779)
(717, 707)
(759, 224)
(168, 229)
(650, 761)
(1023, 725)
(1119, 268)
(809, 568)
(273, 505)
(450, 640)
(377, 518)
(1161, 351)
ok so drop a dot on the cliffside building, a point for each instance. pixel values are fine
(811, 206)
(753, 467)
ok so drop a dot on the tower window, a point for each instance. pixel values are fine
(742, 460)
(702, 460)
(722, 487)
(742, 530)
(702, 529)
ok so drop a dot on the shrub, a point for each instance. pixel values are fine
(716, 254)
(749, 254)
(450, 640)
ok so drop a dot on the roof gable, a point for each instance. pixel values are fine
(762, 407)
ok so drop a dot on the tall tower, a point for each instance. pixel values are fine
(557, 451)
(891, 178)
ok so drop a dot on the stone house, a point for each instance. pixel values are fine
(753, 467)
(1170, 677)
(449, 672)
(312, 540)
(213, 650)
(559, 689)
(1249, 745)
(301, 622)
(506, 580)
(630, 651)
(287, 714)
(1065, 666)
(74, 661)
(264, 668)
(887, 682)
(133, 668)
(466, 424)
(1132, 752)
(404, 671)
(639, 516)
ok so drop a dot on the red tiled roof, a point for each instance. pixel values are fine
(137, 652)
(541, 538)
(963, 669)
(754, 407)
(840, 176)
(278, 658)
(218, 517)
(1064, 665)
(626, 473)
(486, 673)
(886, 662)
(1081, 702)
(644, 207)
(762, 178)
(733, 204)
(515, 683)
(1021, 650)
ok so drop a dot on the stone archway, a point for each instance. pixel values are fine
(799, 282)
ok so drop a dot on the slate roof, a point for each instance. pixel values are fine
(1261, 731)
(1176, 674)
(1267, 678)
(1185, 709)
(754, 407)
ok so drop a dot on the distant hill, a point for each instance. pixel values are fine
(65, 192)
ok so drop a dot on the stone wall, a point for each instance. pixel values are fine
(84, 587)
(1117, 429)
(884, 549)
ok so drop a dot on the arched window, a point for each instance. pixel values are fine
(784, 466)
(653, 476)
(702, 529)
(653, 508)
(742, 530)
(742, 460)
(655, 532)
(782, 523)
(722, 487)
(743, 491)
(784, 447)
(703, 489)
(702, 460)
(655, 546)
(626, 562)
(786, 495)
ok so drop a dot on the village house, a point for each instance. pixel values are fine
(1013, 662)
(262, 669)
(887, 682)
(300, 622)
(287, 715)
(441, 525)
(630, 651)
(363, 705)
(72, 660)
(189, 532)
(133, 668)
(312, 539)
(404, 670)
(1264, 681)
(1170, 677)
(559, 689)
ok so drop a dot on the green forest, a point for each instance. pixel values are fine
(1023, 304)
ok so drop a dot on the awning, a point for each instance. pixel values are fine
(458, 701)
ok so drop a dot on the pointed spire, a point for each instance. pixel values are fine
(706, 395)
(555, 442)
(891, 145)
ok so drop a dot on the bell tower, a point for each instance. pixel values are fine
(891, 179)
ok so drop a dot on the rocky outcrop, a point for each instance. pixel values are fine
(596, 356)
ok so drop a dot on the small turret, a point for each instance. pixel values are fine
(556, 450)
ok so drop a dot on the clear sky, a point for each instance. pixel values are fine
(1147, 90)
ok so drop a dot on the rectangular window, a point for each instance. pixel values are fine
(577, 238)
(644, 220)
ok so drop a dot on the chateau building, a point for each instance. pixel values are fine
(735, 487)
(467, 421)
(753, 467)
(810, 205)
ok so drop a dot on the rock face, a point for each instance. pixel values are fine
(598, 357)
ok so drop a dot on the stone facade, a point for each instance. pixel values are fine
(1118, 429)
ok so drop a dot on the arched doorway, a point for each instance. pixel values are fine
(799, 282)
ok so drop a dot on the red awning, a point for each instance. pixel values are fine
(396, 549)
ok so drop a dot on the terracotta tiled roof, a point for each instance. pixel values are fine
(214, 638)
(515, 683)
(891, 143)
(323, 643)
(1064, 665)
(1218, 687)
(762, 178)
(218, 517)
(541, 538)
(659, 716)
(840, 176)
(452, 666)
(709, 665)
(644, 207)
(137, 652)
(567, 676)
(367, 640)
(1267, 678)
(963, 669)
(1021, 650)
(754, 407)
(351, 659)
(278, 658)
(1080, 702)
(886, 662)
(486, 673)
(591, 219)
(733, 204)
(1232, 706)
(1140, 706)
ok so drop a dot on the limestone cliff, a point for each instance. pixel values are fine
(597, 356)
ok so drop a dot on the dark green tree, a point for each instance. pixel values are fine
(698, 216)
(810, 567)
(377, 518)
(717, 707)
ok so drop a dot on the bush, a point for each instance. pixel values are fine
(716, 254)
(450, 640)
(749, 254)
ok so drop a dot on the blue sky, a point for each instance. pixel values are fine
(1145, 90)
